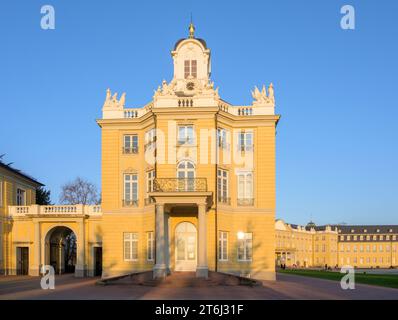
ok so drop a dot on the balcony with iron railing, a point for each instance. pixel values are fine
(180, 185)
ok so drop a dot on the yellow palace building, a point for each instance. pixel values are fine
(360, 246)
(188, 184)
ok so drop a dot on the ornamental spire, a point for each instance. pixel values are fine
(191, 29)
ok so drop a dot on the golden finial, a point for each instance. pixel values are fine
(191, 29)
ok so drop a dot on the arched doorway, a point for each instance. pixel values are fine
(61, 243)
(185, 247)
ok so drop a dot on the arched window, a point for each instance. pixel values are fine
(186, 175)
(186, 169)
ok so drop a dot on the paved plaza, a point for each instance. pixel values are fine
(287, 287)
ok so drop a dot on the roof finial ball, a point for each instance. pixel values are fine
(191, 29)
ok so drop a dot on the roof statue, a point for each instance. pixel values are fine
(261, 97)
(111, 101)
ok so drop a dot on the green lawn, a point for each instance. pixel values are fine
(384, 280)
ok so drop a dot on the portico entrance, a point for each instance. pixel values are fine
(190, 243)
(185, 247)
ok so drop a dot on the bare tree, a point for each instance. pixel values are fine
(79, 191)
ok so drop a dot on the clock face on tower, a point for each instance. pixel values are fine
(190, 86)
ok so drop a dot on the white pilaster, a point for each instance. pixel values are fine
(159, 270)
(80, 270)
(202, 269)
(37, 251)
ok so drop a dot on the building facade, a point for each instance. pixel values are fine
(364, 246)
(188, 180)
(188, 184)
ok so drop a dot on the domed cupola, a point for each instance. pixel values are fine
(192, 65)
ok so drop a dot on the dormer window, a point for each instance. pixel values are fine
(190, 68)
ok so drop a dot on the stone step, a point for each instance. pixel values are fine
(183, 279)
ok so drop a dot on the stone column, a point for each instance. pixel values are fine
(202, 269)
(81, 240)
(159, 270)
(37, 251)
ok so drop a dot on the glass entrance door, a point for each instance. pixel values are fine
(185, 247)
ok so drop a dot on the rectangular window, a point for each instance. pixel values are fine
(130, 143)
(150, 139)
(245, 245)
(222, 186)
(150, 246)
(245, 189)
(130, 246)
(130, 190)
(150, 177)
(185, 135)
(222, 138)
(367, 248)
(374, 248)
(223, 246)
(21, 197)
(245, 142)
(190, 68)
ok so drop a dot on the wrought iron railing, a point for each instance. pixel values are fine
(245, 201)
(130, 150)
(179, 184)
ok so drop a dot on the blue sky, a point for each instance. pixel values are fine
(335, 89)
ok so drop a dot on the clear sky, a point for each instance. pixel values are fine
(337, 141)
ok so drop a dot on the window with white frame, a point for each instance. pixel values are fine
(223, 246)
(245, 245)
(245, 142)
(149, 139)
(186, 175)
(222, 186)
(245, 188)
(222, 138)
(130, 143)
(150, 246)
(150, 177)
(21, 197)
(130, 246)
(186, 134)
(130, 190)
